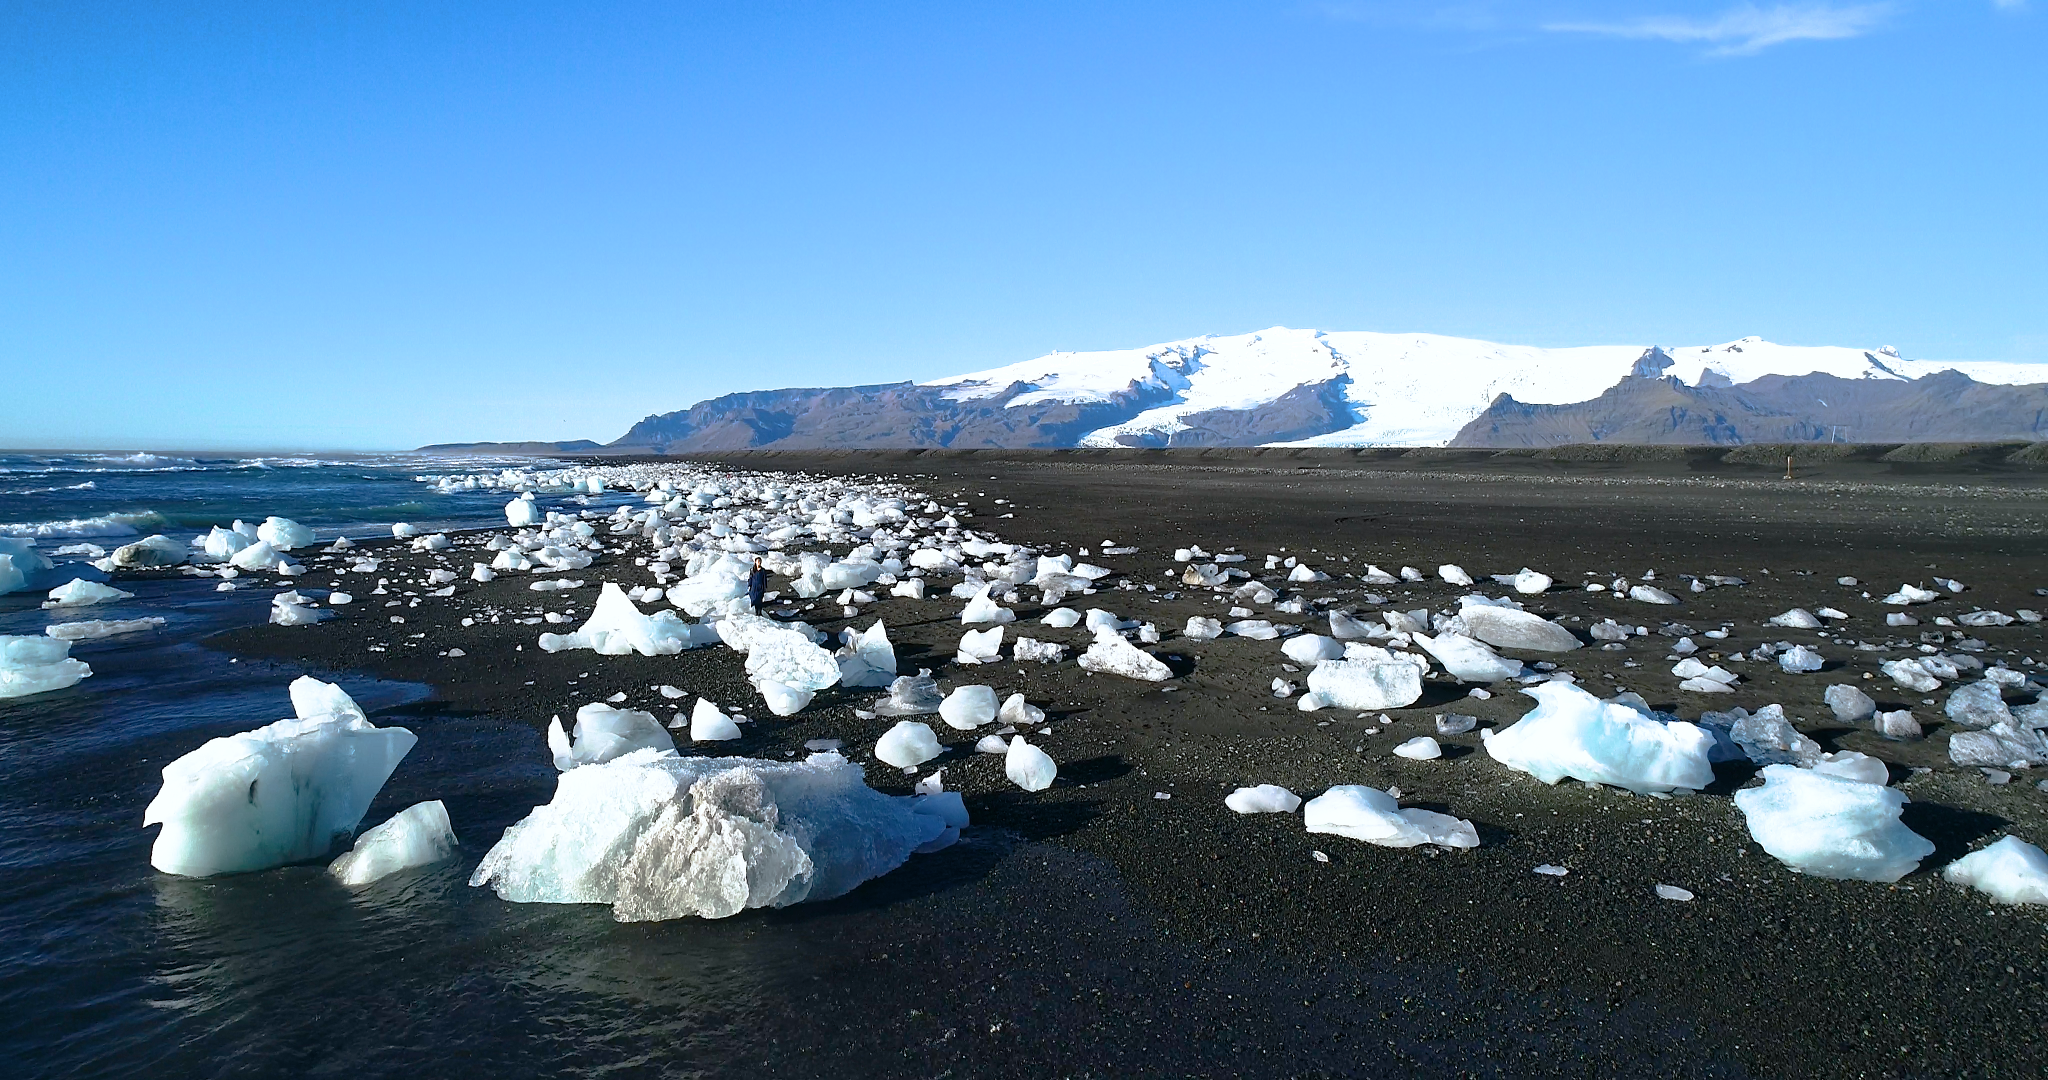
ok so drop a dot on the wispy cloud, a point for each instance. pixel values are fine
(1746, 29)
(2008, 5)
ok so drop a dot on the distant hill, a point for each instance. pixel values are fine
(1946, 407)
(1315, 388)
(573, 446)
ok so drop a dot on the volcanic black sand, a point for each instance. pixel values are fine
(1099, 929)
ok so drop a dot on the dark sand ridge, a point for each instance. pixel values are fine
(1128, 935)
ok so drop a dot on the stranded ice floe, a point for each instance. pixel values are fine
(657, 836)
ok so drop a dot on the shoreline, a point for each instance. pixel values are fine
(1783, 956)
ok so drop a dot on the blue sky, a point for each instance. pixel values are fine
(372, 225)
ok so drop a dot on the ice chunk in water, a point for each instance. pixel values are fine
(968, 707)
(1833, 827)
(1112, 655)
(1374, 679)
(279, 794)
(708, 723)
(1263, 799)
(284, 534)
(415, 836)
(603, 733)
(521, 512)
(1027, 766)
(1509, 628)
(80, 593)
(93, 629)
(908, 745)
(158, 550)
(19, 561)
(2010, 871)
(1572, 733)
(1468, 659)
(36, 665)
(1376, 817)
(662, 837)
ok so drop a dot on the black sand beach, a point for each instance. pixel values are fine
(1096, 929)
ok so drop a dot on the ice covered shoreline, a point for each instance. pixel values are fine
(1220, 736)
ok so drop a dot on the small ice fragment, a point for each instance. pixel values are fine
(1420, 748)
(1263, 799)
(907, 745)
(968, 707)
(415, 836)
(2010, 871)
(1027, 766)
(1548, 870)
(1673, 892)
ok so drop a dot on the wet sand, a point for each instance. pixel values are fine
(1097, 929)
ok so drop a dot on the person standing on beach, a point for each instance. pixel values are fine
(757, 583)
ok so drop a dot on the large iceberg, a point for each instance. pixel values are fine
(35, 665)
(1572, 733)
(1832, 826)
(659, 836)
(279, 794)
(415, 836)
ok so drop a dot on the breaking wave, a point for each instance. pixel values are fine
(102, 525)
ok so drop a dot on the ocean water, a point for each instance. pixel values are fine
(110, 968)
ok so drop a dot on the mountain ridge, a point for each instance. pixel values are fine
(1296, 387)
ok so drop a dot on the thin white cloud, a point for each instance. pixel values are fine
(1746, 29)
(2009, 5)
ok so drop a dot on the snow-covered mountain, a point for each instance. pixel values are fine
(1276, 387)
